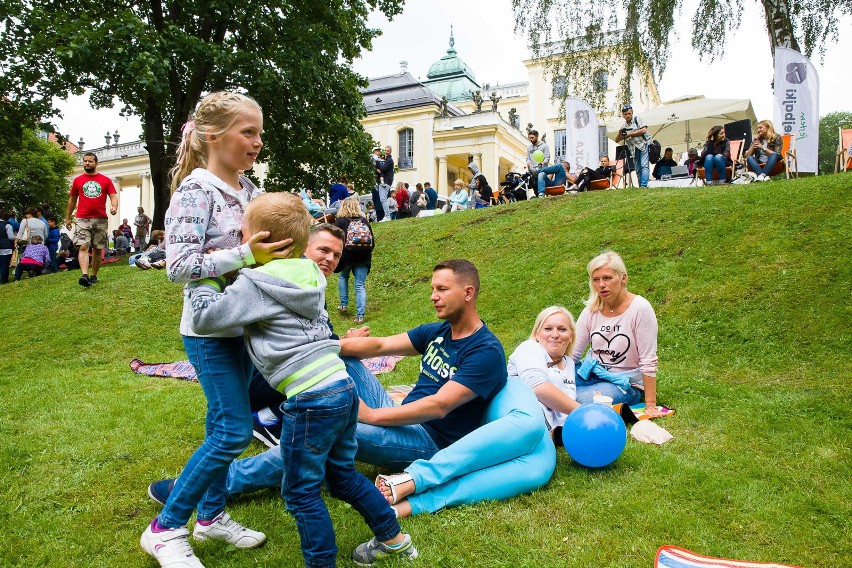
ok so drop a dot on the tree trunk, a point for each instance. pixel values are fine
(779, 26)
(160, 161)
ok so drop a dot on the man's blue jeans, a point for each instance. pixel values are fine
(714, 161)
(771, 160)
(360, 273)
(224, 371)
(392, 447)
(559, 177)
(318, 443)
(643, 165)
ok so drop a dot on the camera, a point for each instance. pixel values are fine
(624, 131)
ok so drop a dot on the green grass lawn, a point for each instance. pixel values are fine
(751, 286)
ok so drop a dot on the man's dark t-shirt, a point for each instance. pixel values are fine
(478, 362)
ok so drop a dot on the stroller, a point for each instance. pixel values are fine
(514, 188)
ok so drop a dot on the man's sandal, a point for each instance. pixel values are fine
(392, 481)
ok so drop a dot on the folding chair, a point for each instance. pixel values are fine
(788, 161)
(612, 181)
(736, 157)
(843, 160)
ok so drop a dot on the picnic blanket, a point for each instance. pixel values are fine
(639, 411)
(184, 370)
(675, 557)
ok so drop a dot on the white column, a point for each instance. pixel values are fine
(441, 182)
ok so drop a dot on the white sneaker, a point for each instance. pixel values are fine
(228, 530)
(170, 547)
(762, 177)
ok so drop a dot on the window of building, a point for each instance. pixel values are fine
(406, 148)
(560, 145)
(560, 87)
(600, 81)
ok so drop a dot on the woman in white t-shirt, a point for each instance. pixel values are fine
(544, 363)
(620, 330)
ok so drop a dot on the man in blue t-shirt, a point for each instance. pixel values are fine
(462, 367)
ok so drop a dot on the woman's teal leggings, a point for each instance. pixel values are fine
(510, 454)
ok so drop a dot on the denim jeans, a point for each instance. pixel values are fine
(718, 161)
(643, 165)
(360, 273)
(559, 177)
(586, 389)
(318, 443)
(771, 160)
(393, 447)
(224, 371)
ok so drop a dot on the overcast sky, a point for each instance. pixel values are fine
(486, 41)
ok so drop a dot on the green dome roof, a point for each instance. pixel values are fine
(450, 76)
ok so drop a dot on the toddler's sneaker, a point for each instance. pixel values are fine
(373, 551)
(226, 529)
(159, 491)
(170, 547)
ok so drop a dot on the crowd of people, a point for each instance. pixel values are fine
(255, 327)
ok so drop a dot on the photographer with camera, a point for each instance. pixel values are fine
(635, 135)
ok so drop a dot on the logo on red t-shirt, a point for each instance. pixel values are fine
(92, 189)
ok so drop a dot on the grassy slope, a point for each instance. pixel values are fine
(751, 289)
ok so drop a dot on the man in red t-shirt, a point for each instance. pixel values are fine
(91, 189)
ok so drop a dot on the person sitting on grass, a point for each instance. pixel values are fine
(280, 305)
(619, 328)
(35, 259)
(121, 242)
(155, 253)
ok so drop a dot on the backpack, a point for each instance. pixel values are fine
(422, 202)
(654, 151)
(358, 236)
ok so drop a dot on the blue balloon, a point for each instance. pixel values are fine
(594, 435)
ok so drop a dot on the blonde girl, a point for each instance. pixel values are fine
(203, 239)
(765, 151)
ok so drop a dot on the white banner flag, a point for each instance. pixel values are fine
(581, 145)
(797, 104)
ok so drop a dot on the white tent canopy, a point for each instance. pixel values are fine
(684, 123)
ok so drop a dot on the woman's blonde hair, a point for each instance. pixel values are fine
(458, 182)
(213, 115)
(546, 313)
(771, 135)
(607, 259)
(351, 208)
